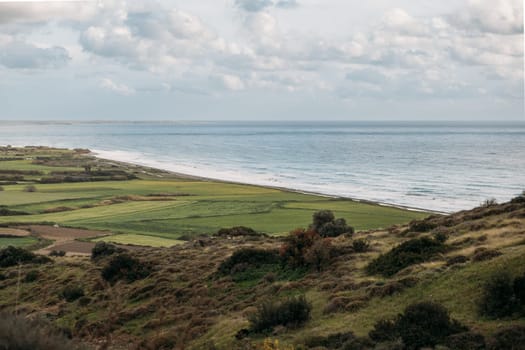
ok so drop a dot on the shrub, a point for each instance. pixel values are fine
(319, 254)
(296, 245)
(421, 226)
(332, 341)
(426, 324)
(466, 341)
(385, 330)
(511, 338)
(292, 312)
(20, 333)
(519, 290)
(457, 259)
(12, 256)
(422, 324)
(326, 225)
(57, 253)
(360, 245)
(30, 188)
(499, 298)
(237, 231)
(483, 254)
(411, 252)
(9, 212)
(71, 293)
(249, 257)
(441, 237)
(31, 276)
(519, 199)
(102, 249)
(125, 267)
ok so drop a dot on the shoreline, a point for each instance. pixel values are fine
(280, 188)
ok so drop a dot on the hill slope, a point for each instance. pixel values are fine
(186, 302)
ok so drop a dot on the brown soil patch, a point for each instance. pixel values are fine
(14, 232)
(71, 248)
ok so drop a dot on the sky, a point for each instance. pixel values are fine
(262, 60)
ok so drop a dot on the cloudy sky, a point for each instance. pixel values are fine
(262, 60)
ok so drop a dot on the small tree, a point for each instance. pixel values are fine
(319, 254)
(326, 225)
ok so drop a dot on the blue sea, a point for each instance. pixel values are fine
(437, 166)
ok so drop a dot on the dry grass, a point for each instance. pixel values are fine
(186, 304)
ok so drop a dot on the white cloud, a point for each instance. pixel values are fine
(22, 55)
(492, 16)
(120, 89)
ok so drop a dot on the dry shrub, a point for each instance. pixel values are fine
(483, 254)
(21, 333)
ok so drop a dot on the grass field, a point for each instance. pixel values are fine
(139, 240)
(17, 241)
(184, 207)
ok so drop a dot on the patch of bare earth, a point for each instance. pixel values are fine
(64, 238)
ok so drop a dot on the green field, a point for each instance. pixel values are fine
(186, 207)
(139, 240)
(17, 241)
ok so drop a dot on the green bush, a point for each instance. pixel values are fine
(12, 256)
(326, 225)
(510, 338)
(252, 257)
(20, 333)
(31, 276)
(411, 252)
(102, 249)
(125, 267)
(424, 324)
(237, 231)
(292, 312)
(360, 245)
(71, 293)
(501, 296)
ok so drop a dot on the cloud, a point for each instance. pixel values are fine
(35, 12)
(120, 89)
(253, 5)
(23, 55)
(230, 82)
(491, 16)
(260, 5)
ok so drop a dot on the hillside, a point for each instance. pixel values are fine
(202, 293)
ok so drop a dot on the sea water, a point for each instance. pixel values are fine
(437, 166)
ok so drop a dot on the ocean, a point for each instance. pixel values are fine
(436, 166)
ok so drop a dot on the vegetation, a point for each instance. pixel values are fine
(360, 245)
(503, 296)
(12, 256)
(72, 293)
(292, 312)
(125, 267)
(411, 252)
(102, 249)
(20, 333)
(248, 258)
(421, 325)
(184, 301)
(326, 225)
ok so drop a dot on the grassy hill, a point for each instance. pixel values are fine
(202, 293)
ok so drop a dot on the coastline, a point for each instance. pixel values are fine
(94, 153)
